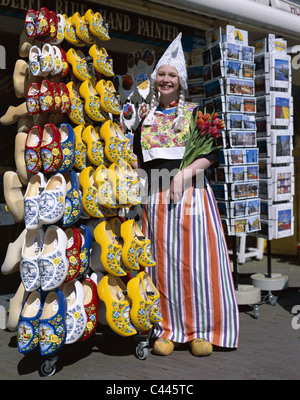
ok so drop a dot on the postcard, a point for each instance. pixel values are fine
(282, 146)
(282, 178)
(262, 84)
(219, 104)
(216, 52)
(252, 172)
(232, 51)
(280, 104)
(247, 54)
(266, 230)
(235, 121)
(221, 174)
(249, 121)
(251, 156)
(266, 210)
(263, 126)
(262, 63)
(253, 206)
(283, 220)
(217, 69)
(264, 146)
(260, 46)
(196, 88)
(280, 71)
(248, 71)
(207, 73)
(214, 36)
(244, 190)
(234, 104)
(223, 207)
(235, 156)
(266, 188)
(237, 174)
(238, 208)
(238, 226)
(242, 138)
(265, 168)
(253, 223)
(249, 105)
(206, 57)
(240, 87)
(195, 72)
(220, 191)
(262, 105)
(233, 68)
(213, 88)
(235, 35)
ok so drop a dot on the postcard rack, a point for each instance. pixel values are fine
(229, 89)
(275, 142)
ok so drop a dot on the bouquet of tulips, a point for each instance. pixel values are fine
(204, 135)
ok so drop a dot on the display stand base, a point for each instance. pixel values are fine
(268, 283)
(248, 295)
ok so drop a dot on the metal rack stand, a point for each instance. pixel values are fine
(270, 281)
(245, 294)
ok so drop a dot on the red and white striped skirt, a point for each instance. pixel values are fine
(192, 271)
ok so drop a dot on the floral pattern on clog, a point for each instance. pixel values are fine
(31, 211)
(76, 322)
(52, 270)
(51, 157)
(30, 275)
(52, 335)
(90, 202)
(121, 317)
(145, 257)
(51, 205)
(28, 335)
(33, 160)
(155, 312)
(113, 262)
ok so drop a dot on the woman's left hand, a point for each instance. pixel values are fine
(179, 183)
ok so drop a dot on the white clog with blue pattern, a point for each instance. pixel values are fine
(29, 267)
(52, 200)
(35, 187)
(53, 262)
(76, 319)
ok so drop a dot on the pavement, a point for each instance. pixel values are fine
(269, 349)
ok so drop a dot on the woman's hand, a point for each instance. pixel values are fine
(179, 183)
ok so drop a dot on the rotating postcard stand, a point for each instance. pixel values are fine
(229, 90)
(275, 132)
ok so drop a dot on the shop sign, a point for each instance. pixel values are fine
(285, 5)
(122, 24)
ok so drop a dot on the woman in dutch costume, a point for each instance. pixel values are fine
(181, 219)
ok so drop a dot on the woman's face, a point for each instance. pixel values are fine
(167, 81)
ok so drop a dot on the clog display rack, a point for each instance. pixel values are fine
(228, 72)
(81, 257)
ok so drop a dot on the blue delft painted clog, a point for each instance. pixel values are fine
(52, 200)
(85, 251)
(76, 318)
(53, 262)
(52, 326)
(73, 200)
(28, 326)
(34, 189)
(29, 267)
(68, 147)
